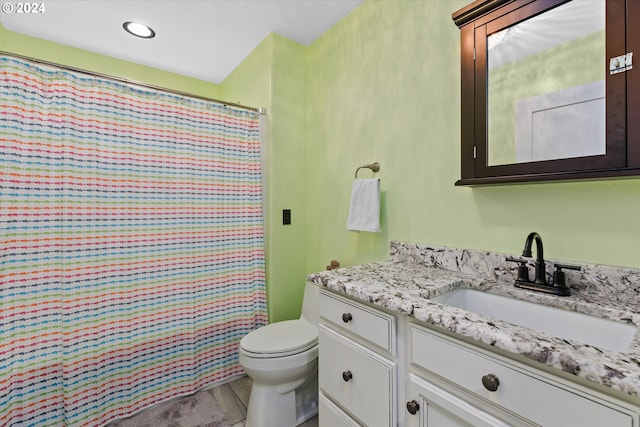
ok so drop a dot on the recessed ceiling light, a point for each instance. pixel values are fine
(139, 30)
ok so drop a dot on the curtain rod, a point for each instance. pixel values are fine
(259, 110)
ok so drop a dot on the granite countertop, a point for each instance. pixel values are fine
(405, 287)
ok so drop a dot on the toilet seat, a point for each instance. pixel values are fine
(280, 339)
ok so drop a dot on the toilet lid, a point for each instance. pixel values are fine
(281, 338)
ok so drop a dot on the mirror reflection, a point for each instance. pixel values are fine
(546, 87)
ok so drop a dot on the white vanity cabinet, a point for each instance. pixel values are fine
(484, 383)
(357, 364)
(379, 368)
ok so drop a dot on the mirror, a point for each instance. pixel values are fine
(546, 86)
(541, 98)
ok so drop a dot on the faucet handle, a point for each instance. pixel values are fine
(559, 280)
(523, 270)
(567, 267)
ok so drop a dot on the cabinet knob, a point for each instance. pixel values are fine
(347, 375)
(490, 382)
(347, 317)
(413, 407)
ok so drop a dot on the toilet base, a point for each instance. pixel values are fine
(270, 408)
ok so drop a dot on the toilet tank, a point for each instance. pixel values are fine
(311, 304)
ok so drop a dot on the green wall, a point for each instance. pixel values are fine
(72, 57)
(383, 85)
(274, 76)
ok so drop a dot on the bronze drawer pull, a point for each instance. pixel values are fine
(413, 407)
(347, 317)
(490, 382)
(347, 375)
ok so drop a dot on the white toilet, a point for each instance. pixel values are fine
(282, 360)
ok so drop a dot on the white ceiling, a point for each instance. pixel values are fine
(205, 39)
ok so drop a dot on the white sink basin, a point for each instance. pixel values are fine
(601, 333)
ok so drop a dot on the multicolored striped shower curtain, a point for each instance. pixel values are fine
(131, 233)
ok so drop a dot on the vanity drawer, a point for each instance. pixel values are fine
(357, 379)
(530, 396)
(372, 325)
(330, 415)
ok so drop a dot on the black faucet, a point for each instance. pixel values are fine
(557, 286)
(541, 271)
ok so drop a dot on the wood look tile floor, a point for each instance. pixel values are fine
(233, 398)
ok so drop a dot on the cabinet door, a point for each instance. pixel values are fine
(357, 379)
(330, 415)
(439, 408)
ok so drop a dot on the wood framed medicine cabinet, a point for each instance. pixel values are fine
(565, 111)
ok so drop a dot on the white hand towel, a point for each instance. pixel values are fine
(364, 209)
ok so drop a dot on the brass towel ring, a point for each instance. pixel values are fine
(373, 166)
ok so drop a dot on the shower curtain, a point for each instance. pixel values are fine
(132, 247)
